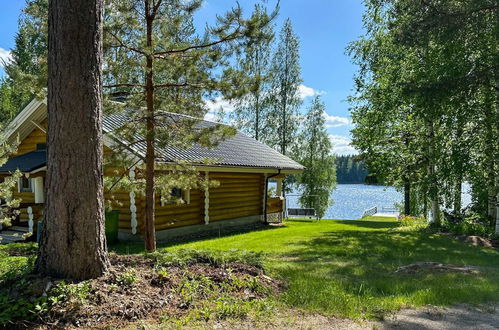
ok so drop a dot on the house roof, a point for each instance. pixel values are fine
(28, 162)
(238, 151)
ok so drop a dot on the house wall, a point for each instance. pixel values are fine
(29, 143)
(239, 195)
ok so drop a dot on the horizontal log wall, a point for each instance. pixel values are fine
(239, 195)
(30, 142)
(174, 215)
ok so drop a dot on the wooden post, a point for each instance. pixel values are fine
(206, 201)
(30, 219)
(133, 207)
(38, 189)
(279, 187)
(264, 199)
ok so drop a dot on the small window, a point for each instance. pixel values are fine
(41, 146)
(25, 185)
(177, 193)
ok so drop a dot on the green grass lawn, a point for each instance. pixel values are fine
(346, 268)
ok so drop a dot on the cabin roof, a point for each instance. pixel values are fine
(240, 150)
(28, 162)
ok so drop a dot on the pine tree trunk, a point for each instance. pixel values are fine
(73, 243)
(150, 233)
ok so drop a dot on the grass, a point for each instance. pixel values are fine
(347, 268)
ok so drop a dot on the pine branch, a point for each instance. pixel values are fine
(184, 84)
(124, 85)
(230, 37)
(122, 44)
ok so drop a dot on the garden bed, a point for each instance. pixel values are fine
(190, 285)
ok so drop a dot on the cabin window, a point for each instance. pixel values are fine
(177, 193)
(25, 184)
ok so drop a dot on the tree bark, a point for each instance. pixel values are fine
(458, 190)
(407, 196)
(434, 205)
(150, 233)
(73, 243)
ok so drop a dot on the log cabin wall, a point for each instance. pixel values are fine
(30, 142)
(174, 215)
(239, 195)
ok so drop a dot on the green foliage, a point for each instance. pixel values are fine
(472, 225)
(347, 268)
(284, 98)
(412, 223)
(27, 72)
(127, 278)
(351, 170)
(184, 257)
(426, 85)
(314, 152)
(253, 106)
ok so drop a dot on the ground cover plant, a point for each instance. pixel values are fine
(349, 268)
(358, 269)
(174, 287)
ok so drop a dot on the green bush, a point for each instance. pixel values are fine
(413, 222)
(473, 225)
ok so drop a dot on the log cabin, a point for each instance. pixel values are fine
(241, 165)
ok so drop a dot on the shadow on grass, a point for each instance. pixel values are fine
(128, 247)
(352, 273)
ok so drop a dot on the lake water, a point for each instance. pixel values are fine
(350, 200)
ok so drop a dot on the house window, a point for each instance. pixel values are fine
(25, 185)
(175, 194)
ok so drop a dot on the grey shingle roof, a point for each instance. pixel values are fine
(237, 151)
(25, 163)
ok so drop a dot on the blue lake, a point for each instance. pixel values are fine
(350, 200)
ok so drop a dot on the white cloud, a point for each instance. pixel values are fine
(214, 107)
(5, 56)
(305, 91)
(342, 145)
(217, 103)
(336, 121)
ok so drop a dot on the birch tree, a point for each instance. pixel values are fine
(314, 151)
(252, 108)
(286, 80)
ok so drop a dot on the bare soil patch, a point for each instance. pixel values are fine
(135, 288)
(435, 267)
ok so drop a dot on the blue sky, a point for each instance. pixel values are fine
(324, 27)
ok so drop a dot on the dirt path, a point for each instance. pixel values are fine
(457, 317)
(427, 318)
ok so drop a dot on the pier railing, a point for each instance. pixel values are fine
(370, 211)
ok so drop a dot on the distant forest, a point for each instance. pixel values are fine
(349, 170)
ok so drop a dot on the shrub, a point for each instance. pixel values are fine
(413, 222)
(472, 225)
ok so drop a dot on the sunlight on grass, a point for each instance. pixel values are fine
(346, 268)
